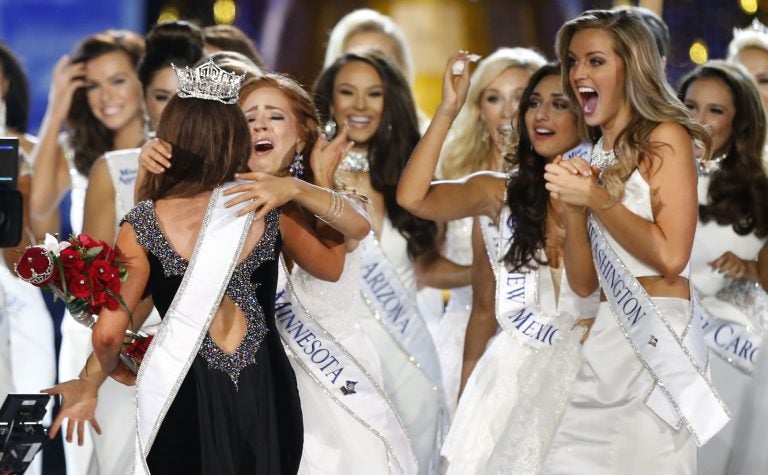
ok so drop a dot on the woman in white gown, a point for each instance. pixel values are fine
(369, 94)
(478, 140)
(640, 403)
(733, 225)
(515, 240)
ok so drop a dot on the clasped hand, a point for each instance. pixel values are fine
(574, 182)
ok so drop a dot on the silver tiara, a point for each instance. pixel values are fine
(754, 27)
(208, 81)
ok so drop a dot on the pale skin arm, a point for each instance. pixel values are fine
(414, 192)
(321, 252)
(664, 244)
(482, 319)
(50, 168)
(99, 216)
(267, 192)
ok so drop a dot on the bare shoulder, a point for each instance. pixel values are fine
(671, 134)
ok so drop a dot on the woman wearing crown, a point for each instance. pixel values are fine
(216, 393)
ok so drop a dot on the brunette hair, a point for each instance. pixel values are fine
(527, 196)
(301, 105)
(174, 42)
(232, 38)
(391, 145)
(738, 192)
(89, 137)
(651, 98)
(17, 97)
(201, 161)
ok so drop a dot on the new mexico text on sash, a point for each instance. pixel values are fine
(183, 329)
(517, 305)
(339, 375)
(682, 393)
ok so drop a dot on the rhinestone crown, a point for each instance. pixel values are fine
(208, 81)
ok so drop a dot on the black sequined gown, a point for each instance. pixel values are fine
(238, 413)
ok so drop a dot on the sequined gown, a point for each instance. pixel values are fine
(238, 413)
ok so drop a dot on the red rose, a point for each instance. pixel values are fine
(86, 241)
(104, 272)
(36, 267)
(71, 259)
(78, 285)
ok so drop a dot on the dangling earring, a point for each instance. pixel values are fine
(329, 129)
(485, 137)
(297, 165)
(149, 134)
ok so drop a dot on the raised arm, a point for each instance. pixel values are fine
(482, 319)
(51, 171)
(415, 191)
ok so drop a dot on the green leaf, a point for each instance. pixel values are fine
(94, 251)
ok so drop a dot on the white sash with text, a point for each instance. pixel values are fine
(339, 375)
(682, 393)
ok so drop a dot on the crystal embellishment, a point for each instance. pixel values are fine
(355, 162)
(208, 81)
(600, 158)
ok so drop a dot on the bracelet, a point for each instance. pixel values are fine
(335, 210)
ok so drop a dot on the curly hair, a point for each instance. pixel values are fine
(738, 193)
(651, 98)
(390, 147)
(527, 196)
(90, 138)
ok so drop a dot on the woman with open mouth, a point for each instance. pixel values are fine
(642, 401)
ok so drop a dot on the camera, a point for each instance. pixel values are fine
(11, 201)
(22, 434)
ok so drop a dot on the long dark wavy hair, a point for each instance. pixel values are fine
(527, 197)
(738, 193)
(90, 138)
(17, 97)
(391, 145)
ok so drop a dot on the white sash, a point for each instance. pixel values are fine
(682, 393)
(734, 342)
(517, 302)
(184, 327)
(123, 166)
(339, 375)
(394, 307)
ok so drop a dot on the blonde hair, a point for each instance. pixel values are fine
(754, 36)
(465, 151)
(651, 98)
(365, 20)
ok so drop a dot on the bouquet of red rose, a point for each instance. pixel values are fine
(86, 274)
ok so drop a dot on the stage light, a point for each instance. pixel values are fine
(224, 11)
(168, 13)
(749, 6)
(699, 53)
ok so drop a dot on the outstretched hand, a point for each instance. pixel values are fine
(734, 267)
(78, 404)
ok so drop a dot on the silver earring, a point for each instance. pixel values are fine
(297, 165)
(329, 129)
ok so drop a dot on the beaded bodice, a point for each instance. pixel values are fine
(167, 269)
